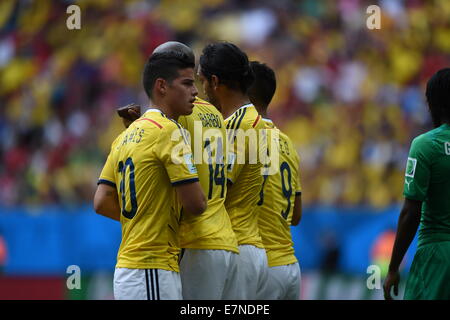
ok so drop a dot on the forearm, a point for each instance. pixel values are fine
(106, 202)
(408, 224)
(112, 213)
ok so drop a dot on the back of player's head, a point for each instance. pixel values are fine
(165, 62)
(438, 96)
(263, 88)
(229, 63)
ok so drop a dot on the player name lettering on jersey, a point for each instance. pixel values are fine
(447, 148)
(134, 136)
(210, 120)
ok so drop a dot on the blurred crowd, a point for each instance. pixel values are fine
(351, 98)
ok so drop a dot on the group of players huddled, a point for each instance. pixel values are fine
(218, 228)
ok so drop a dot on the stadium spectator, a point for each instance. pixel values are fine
(349, 97)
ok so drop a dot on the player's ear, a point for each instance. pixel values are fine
(214, 82)
(160, 86)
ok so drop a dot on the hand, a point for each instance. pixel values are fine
(392, 280)
(129, 113)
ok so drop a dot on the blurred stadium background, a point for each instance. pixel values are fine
(350, 98)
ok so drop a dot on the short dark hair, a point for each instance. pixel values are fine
(229, 63)
(438, 96)
(165, 65)
(263, 88)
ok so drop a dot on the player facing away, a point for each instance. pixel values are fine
(427, 202)
(226, 76)
(141, 177)
(208, 264)
(280, 203)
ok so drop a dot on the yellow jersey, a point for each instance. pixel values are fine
(212, 229)
(246, 177)
(276, 204)
(142, 168)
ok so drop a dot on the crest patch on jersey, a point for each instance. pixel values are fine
(231, 160)
(188, 161)
(411, 167)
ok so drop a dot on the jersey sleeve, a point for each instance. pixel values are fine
(175, 154)
(417, 173)
(107, 175)
(298, 189)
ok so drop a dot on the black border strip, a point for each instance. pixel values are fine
(157, 285)
(176, 183)
(107, 182)
(153, 286)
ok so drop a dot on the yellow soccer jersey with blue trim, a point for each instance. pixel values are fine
(141, 167)
(212, 229)
(246, 178)
(276, 202)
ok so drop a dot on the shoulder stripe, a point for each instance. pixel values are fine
(238, 113)
(152, 121)
(233, 122)
(242, 117)
(256, 120)
(229, 122)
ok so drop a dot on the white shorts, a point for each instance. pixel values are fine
(252, 273)
(283, 283)
(208, 274)
(146, 284)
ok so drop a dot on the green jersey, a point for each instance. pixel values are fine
(427, 179)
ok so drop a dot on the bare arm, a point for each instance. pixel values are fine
(106, 202)
(297, 215)
(191, 197)
(408, 223)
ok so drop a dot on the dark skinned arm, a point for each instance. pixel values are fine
(297, 215)
(408, 223)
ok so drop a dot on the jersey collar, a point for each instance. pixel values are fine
(153, 110)
(158, 110)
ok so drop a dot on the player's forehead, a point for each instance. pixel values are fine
(186, 74)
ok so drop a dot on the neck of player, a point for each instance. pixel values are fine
(231, 101)
(157, 104)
